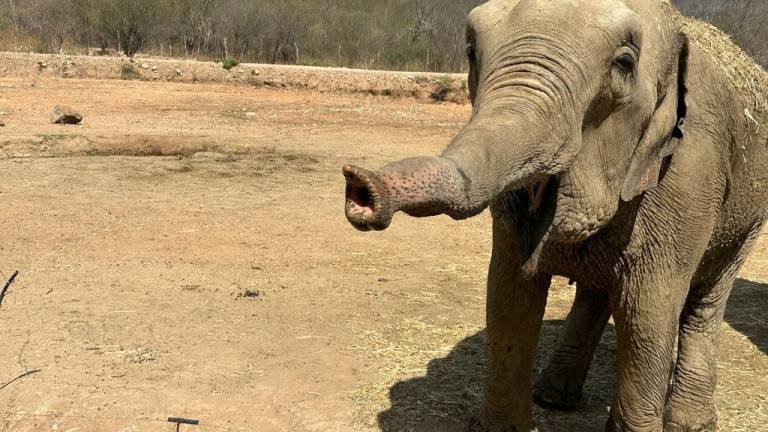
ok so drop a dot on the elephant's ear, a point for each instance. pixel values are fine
(662, 136)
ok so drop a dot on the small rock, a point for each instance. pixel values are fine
(63, 114)
(2, 124)
(179, 72)
(255, 72)
(41, 64)
(250, 114)
(144, 66)
(154, 68)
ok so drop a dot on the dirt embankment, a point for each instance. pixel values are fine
(442, 87)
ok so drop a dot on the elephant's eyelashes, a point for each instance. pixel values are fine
(471, 54)
(625, 63)
(623, 72)
(626, 59)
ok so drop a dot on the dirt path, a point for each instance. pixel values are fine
(184, 252)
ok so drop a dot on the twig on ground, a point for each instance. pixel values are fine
(8, 285)
(20, 377)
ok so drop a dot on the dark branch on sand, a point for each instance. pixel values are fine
(20, 377)
(8, 285)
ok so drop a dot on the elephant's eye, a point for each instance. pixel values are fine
(625, 61)
(471, 55)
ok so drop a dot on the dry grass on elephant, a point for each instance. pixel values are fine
(745, 74)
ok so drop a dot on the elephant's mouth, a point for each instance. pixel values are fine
(537, 194)
(535, 204)
(533, 208)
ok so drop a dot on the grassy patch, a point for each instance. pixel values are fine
(229, 62)
(128, 72)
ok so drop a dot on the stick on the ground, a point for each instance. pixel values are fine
(8, 285)
(19, 377)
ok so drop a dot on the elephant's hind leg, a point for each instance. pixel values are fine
(691, 406)
(560, 384)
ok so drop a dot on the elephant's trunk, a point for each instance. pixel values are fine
(486, 159)
(418, 186)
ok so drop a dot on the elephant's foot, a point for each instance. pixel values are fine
(478, 423)
(671, 426)
(549, 394)
(674, 427)
(679, 418)
(689, 422)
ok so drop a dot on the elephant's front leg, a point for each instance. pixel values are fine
(691, 402)
(646, 312)
(515, 307)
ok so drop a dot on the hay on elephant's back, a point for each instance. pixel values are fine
(745, 74)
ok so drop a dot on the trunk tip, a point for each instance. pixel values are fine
(366, 204)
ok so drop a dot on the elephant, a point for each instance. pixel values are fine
(617, 144)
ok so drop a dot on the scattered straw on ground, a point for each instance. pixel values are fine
(431, 376)
(412, 349)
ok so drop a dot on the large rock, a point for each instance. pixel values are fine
(63, 114)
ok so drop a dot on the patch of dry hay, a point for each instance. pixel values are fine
(431, 376)
(408, 350)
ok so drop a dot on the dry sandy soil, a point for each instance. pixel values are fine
(184, 252)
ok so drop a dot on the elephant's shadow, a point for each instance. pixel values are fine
(451, 392)
(747, 311)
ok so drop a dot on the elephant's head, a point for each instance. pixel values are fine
(576, 106)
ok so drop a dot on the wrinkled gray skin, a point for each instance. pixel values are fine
(610, 151)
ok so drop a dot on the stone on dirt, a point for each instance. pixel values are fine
(63, 114)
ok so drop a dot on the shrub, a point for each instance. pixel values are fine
(128, 72)
(229, 62)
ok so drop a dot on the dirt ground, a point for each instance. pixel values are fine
(184, 252)
(420, 85)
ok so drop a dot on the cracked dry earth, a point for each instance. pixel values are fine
(184, 252)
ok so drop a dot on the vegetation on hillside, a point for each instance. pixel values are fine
(389, 34)
(376, 34)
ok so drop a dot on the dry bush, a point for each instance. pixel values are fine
(414, 34)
